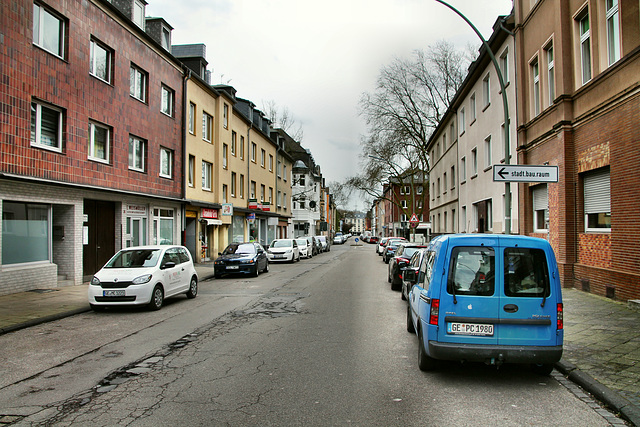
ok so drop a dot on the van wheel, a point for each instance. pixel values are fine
(157, 298)
(425, 363)
(542, 368)
(410, 327)
(193, 288)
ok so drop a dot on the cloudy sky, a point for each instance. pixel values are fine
(317, 58)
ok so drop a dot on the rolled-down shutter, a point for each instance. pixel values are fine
(597, 192)
(540, 197)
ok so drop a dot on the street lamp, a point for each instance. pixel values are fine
(507, 184)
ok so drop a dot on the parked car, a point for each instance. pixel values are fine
(284, 250)
(380, 245)
(390, 248)
(410, 272)
(489, 298)
(326, 247)
(144, 275)
(374, 240)
(306, 248)
(399, 260)
(337, 240)
(315, 244)
(246, 258)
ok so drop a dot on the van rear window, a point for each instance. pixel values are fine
(472, 271)
(526, 273)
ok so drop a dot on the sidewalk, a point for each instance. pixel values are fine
(601, 341)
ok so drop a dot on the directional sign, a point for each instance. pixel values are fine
(525, 173)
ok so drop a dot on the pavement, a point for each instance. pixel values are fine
(601, 338)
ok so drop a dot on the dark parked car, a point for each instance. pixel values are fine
(408, 279)
(248, 258)
(400, 260)
(390, 248)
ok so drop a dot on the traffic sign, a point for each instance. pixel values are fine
(414, 221)
(525, 173)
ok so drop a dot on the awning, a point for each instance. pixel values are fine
(213, 221)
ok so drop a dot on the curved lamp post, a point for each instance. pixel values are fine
(507, 186)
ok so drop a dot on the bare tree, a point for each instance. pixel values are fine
(282, 118)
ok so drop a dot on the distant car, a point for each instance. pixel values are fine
(337, 240)
(390, 247)
(284, 250)
(380, 245)
(324, 242)
(400, 260)
(247, 258)
(408, 280)
(144, 275)
(306, 248)
(374, 239)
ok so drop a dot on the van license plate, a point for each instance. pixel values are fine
(470, 329)
(113, 293)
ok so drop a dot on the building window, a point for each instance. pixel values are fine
(270, 195)
(207, 169)
(137, 154)
(234, 143)
(419, 190)
(453, 177)
(487, 152)
(438, 188)
(241, 147)
(597, 200)
(452, 132)
(241, 183)
(464, 219)
(207, 126)
(474, 161)
(270, 163)
(99, 142)
(192, 170)
(163, 226)
(551, 79)
(225, 116)
(486, 90)
(540, 198)
(167, 101)
(46, 127)
(25, 226)
(301, 180)
(284, 201)
(535, 74)
(233, 184)
(262, 188)
(48, 31)
(263, 155)
(224, 193)
(252, 190)
(613, 31)
(463, 169)
(444, 182)
(138, 83)
(461, 119)
(166, 162)
(138, 13)
(192, 118)
(504, 66)
(404, 204)
(254, 150)
(279, 201)
(284, 174)
(166, 38)
(405, 189)
(472, 107)
(585, 48)
(225, 155)
(100, 66)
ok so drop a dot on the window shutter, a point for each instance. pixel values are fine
(540, 197)
(597, 192)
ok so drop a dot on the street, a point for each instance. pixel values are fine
(318, 342)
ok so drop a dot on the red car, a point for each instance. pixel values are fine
(373, 239)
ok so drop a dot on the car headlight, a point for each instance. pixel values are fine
(288, 251)
(142, 279)
(248, 261)
(95, 281)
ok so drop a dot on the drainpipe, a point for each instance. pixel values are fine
(185, 160)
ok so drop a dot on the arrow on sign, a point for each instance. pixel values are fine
(502, 173)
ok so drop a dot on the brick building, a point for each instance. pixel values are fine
(579, 109)
(90, 137)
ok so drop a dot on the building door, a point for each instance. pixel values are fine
(99, 244)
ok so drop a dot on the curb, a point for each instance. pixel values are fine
(611, 398)
(40, 320)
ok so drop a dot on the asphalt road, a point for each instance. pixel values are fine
(319, 342)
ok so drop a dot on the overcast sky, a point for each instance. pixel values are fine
(317, 58)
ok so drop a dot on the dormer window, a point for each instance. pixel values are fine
(138, 13)
(166, 38)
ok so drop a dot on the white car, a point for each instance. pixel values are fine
(284, 250)
(304, 246)
(144, 275)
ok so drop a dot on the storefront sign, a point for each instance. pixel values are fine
(191, 214)
(266, 206)
(253, 203)
(227, 209)
(251, 218)
(135, 210)
(209, 213)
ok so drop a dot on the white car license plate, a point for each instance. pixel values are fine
(232, 267)
(278, 256)
(470, 329)
(119, 293)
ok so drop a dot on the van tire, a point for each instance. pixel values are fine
(425, 363)
(542, 368)
(410, 327)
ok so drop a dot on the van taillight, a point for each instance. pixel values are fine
(435, 309)
(560, 316)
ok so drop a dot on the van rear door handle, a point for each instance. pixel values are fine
(510, 308)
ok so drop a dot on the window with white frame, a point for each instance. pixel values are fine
(234, 143)
(46, 126)
(270, 163)
(207, 171)
(99, 142)
(233, 184)
(224, 193)
(472, 108)
(241, 185)
(138, 13)
(585, 47)
(486, 90)
(540, 198)
(138, 83)
(444, 182)
(487, 152)
(254, 151)
(191, 170)
(597, 200)
(535, 75)
(504, 65)
(262, 192)
(192, 118)
(284, 174)
(263, 157)
(167, 100)
(463, 169)
(207, 126)
(137, 153)
(48, 30)
(301, 180)
(284, 201)
(166, 38)
(453, 177)
(613, 31)
(438, 188)
(404, 204)
(225, 116)
(252, 190)
(100, 57)
(270, 195)
(474, 161)
(461, 119)
(225, 156)
(166, 162)
(25, 226)
(452, 132)
(464, 219)
(279, 199)
(551, 78)
(163, 226)
(241, 147)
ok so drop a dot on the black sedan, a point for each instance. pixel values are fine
(399, 261)
(410, 272)
(245, 258)
(390, 248)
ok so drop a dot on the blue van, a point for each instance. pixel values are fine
(489, 298)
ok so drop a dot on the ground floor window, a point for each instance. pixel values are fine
(236, 231)
(25, 226)
(540, 208)
(163, 226)
(597, 200)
